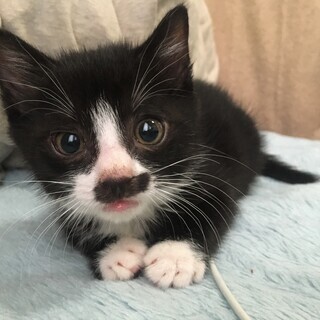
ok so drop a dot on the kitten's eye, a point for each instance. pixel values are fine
(149, 132)
(66, 143)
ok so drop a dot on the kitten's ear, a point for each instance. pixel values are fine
(167, 49)
(22, 68)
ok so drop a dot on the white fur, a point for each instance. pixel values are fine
(173, 263)
(122, 260)
(171, 48)
(113, 161)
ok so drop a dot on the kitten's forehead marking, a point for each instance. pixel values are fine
(106, 124)
(113, 160)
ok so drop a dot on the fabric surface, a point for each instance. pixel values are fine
(270, 260)
(270, 60)
(53, 25)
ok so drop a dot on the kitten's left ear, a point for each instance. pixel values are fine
(22, 70)
(167, 50)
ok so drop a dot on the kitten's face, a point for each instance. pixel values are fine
(102, 128)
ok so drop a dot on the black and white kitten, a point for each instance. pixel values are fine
(145, 163)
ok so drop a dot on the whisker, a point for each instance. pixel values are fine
(51, 224)
(137, 93)
(226, 156)
(44, 231)
(143, 94)
(185, 176)
(162, 212)
(75, 224)
(199, 182)
(60, 228)
(68, 101)
(71, 200)
(161, 71)
(178, 162)
(43, 205)
(206, 201)
(178, 201)
(138, 72)
(59, 87)
(158, 94)
(226, 182)
(204, 215)
(203, 191)
(45, 91)
(176, 212)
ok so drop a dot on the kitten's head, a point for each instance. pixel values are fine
(103, 129)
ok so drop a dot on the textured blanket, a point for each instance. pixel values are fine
(270, 260)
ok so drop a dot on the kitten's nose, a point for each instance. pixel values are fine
(117, 173)
(115, 163)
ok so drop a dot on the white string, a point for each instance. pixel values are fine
(233, 303)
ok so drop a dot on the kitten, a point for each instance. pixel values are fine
(146, 164)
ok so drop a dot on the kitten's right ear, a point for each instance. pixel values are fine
(166, 51)
(22, 67)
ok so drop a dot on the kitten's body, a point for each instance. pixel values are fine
(125, 202)
(225, 160)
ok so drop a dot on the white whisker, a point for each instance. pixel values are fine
(57, 84)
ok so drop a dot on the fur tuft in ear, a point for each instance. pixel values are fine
(21, 71)
(167, 49)
(173, 32)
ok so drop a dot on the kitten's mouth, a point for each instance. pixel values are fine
(121, 205)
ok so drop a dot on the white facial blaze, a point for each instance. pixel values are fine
(113, 161)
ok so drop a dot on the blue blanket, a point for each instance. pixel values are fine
(270, 260)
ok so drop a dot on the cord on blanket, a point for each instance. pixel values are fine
(234, 304)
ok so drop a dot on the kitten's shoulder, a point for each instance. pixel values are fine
(219, 106)
(223, 122)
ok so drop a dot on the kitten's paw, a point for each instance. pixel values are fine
(122, 260)
(174, 263)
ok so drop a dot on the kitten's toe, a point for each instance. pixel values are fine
(122, 260)
(174, 263)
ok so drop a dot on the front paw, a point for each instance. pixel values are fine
(174, 263)
(122, 260)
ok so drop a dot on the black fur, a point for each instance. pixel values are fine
(209, 136)
(278, 170)
(112, 190)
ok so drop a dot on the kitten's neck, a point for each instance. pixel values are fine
(136, 228)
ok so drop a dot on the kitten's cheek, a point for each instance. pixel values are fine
(173, 264)
(84, 185)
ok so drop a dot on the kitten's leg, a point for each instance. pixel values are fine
(174, 263)
(121, 260)
(182, 245)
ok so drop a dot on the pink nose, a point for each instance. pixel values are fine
(116, 173)
(114, 163)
